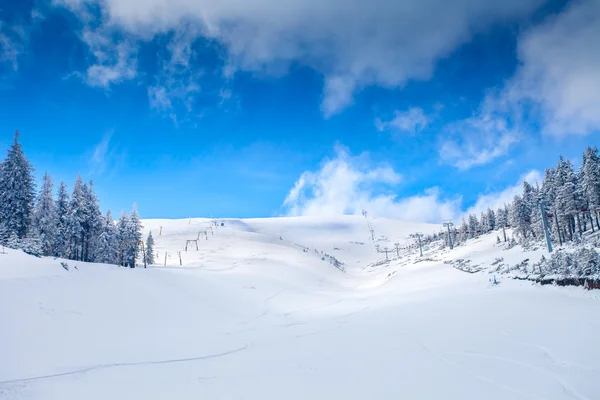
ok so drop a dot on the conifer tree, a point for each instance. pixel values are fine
(590, 182)
(491, 217)
(150, 249)
(107, 247)
(123, 238)
(134, 231)
(17, 191)
(45, 219)
(93, 221)
(61, 242)
(75, 221)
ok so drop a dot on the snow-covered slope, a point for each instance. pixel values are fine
(253, 315)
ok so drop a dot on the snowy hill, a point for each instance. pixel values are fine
(259, 312)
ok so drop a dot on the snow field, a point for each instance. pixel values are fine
(250, 315)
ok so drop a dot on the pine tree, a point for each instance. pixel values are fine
(483, 222)
(75, 221)
(529, 202)
(590, 181)
(61, 242)
(17, 191)
(464, 231)
(93, 221)
(123, 238)
(491, 217)
(45, 218)
(150, 249)
(518, 217)
(135, 234)
(107, 246)
(473, 226)
(567, 197)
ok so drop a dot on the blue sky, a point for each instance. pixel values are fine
(416, 110)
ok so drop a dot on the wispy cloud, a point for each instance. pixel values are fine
(411, 121)
(478, 140)
(348, 184)
(12, 44)
(105, 155)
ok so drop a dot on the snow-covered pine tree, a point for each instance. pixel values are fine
(567, 197)
(135, 234)
(483, 222)
(123, 238)
(17, 189)
(464, 231)
(45, 220)
(491, 217)
(75, 221)
(590, 182)
(150, 249)
(13, 241)
(93, 221)
(500, 220)
(519, 213)
(548, 193)
(61, 242)
(473, 226)
(106, 249)
(529, 203)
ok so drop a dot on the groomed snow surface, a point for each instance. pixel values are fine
(251, 315)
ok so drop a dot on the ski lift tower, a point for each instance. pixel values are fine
(419, 236)
(449, 224)
(369, 225)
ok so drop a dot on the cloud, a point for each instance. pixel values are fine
(411, 121)
(353, 44)
(177, 82)
(555, 90)
(104, 156)
(499, 199)
(560, 70)
(12, 44)
(112, 63)
(348, 184)
(478, 140)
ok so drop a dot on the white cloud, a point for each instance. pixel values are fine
(478, 140)
(353, 43)
(411, 121)
(113, 63)
(348, 185)
(555, 87)
(499, 199)
(12, 39)
(560, 70)
(105, 155)
(177, 82)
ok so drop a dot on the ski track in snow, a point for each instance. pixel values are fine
(466, 371)
(564, 384)
(553, 359)
(124, 364)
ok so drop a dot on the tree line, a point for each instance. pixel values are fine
(568, 198)
(66, 226)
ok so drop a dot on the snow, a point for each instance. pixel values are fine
(250, 315)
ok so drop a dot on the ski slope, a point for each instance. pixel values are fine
(252, 314)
